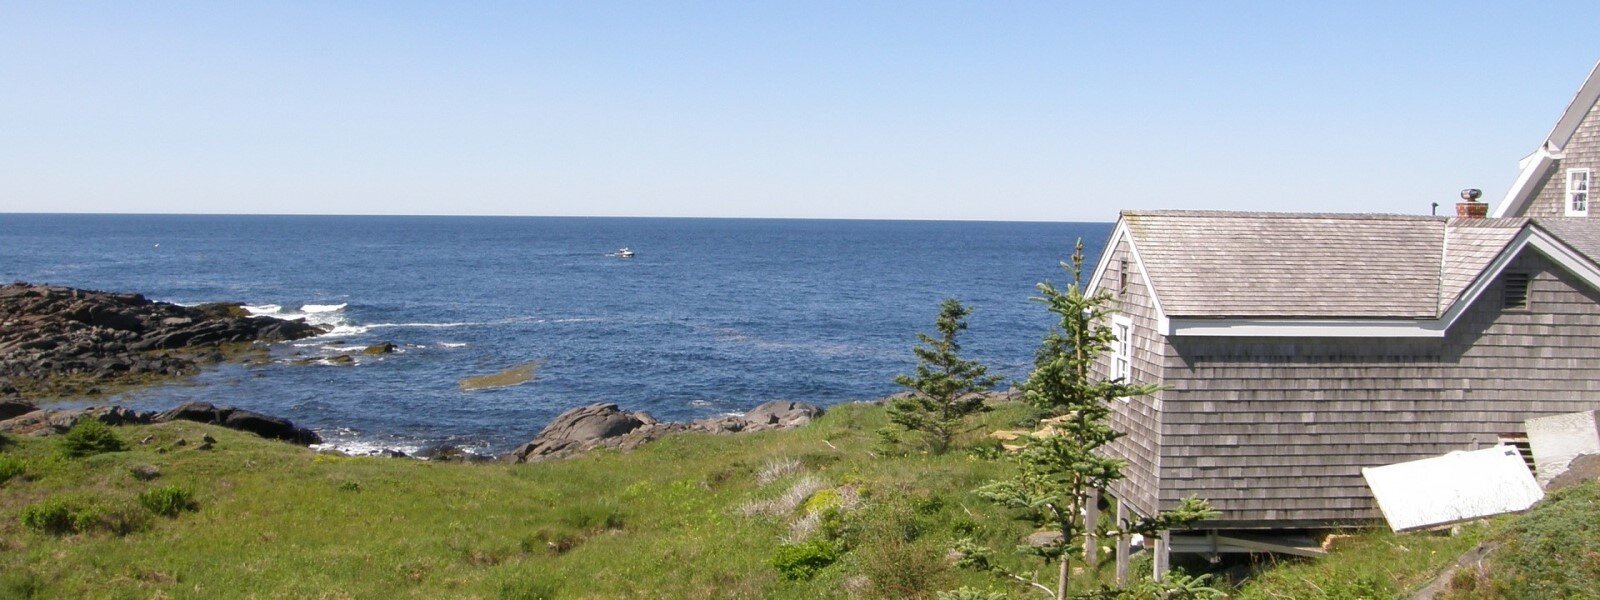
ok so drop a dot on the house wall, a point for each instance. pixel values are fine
(1582, 151)
(1140, 418)
(1274, 432)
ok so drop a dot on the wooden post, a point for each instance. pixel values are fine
(1091, 522)
(1163, 548)
(1122, 543)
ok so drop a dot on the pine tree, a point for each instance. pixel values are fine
(945, 388)
(1062, 470)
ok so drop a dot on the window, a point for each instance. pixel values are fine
(1577, 192)
(1122, 277)
(1122, 348)
(1516, 291)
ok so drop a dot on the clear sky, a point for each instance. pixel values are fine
(1057, 111)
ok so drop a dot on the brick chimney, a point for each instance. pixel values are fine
(1469, 207)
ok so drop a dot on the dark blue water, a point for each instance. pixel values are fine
(712, 316)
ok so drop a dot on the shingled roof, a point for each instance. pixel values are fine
(1212, 264)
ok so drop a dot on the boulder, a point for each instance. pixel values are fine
(575, 431)
(590, 423)
(781, 414)
(1582, 469)
(1043, 539)
(269, 427)
(383, 348)
(266, 426)
(199, 412)
(15, 407)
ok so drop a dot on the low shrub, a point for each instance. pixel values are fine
(10, 466)
(800, 562)
(61, 516)
(89, 437)
(51, 515)
(168, 501)
(21, 584)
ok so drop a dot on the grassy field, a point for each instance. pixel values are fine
(817, 512)
(688, 516)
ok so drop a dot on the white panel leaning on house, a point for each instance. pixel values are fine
(1557, 439)
(1456, 487)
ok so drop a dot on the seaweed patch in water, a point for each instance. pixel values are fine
(516, 375)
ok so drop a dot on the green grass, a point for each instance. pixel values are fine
(263, 518)
(1371, 564)
(1552, 551)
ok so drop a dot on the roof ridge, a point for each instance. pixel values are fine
(1239, 214)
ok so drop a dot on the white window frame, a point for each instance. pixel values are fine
(1122, 348)
(1578, 197)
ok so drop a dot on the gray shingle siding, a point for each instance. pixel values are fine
(1582, 151)
(1137, 417)
(1275, 431)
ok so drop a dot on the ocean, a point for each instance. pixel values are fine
(712, 316)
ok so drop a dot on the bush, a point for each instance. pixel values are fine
(21, 584)
(51, 515)
(168, 501)
(63, 516)
(10, 466)
(800, 562)
(89, 437)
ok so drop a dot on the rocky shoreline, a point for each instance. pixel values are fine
(61, 341)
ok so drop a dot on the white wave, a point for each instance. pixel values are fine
(263, 309)
(453, 344)
(360, 448)
(422, 325)
(322, 308)
(344, 330)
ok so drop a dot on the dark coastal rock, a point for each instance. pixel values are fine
(51, 422)
(270, 427)
(782, 414)
(449, 453)
(266, 426)
(382, 348)
(62, 341)
(10, 407)
(605, 425)
(1582, 469)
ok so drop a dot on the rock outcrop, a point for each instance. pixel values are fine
(605, 425)
(42, 422)
(60, 340)
(266, 426)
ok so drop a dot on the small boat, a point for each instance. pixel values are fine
(623, 253)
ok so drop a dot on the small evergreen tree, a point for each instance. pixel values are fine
(1060, 473)
(945, 389)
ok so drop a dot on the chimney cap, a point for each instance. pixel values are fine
(1471, 194)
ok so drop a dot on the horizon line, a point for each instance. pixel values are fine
(523, 216)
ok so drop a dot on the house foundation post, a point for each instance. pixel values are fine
(1091, 524)
(1122, 543)
(1163, 554)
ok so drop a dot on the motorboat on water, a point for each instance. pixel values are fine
(623, 253)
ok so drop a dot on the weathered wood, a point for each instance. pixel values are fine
(1274, 431)
(1122, 549)
(1163, 555)
(1091, 542)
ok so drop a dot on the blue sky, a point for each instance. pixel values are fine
(1058, 111)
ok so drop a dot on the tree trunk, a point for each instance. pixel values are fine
(1061, 580)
